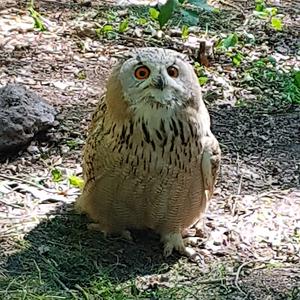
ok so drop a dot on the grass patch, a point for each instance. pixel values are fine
(275, 88)
(60, 259)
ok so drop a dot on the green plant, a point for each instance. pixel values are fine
(200, 72)
(76, 181)
(56, 175)
(38, 22)
(72, 144)
(123, 26)
(269, 78)
(236, 58)
(230, 41)
(297, 78)
(229, 44)
(107, 31)
(166, 11)
(269, 14)
(154, 13)
(142, 21)
(184, 32)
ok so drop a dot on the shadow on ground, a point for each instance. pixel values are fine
(61, 255)
(61, 258)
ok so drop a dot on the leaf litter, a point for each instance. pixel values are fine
(253, 223)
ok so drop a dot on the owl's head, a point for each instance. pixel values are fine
(155, 75)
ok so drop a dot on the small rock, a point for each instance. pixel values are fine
(138, 32)
(33, 149)
(159, 34)
(23, 114)
(123, 13)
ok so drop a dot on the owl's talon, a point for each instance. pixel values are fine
(97, 227)
(192, 241)
(168, 249)
(172, 241)
(94, 227)
(188, 232)
(126, 235)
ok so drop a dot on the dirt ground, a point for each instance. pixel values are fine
(251, 247)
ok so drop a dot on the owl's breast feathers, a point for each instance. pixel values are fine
(157, 143)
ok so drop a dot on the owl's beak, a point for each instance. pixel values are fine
(159, 82)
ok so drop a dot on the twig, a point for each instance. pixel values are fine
(237, 276)
(39, 272)
(240, 185)
(86, 296)
(215, 280)
(28, 182)
(210, 281)
(64, 286)
(8, 204)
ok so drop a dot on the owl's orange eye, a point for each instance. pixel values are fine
(142, 73)
(173, 72)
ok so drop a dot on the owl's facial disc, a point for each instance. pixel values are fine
(156, 75)
(156, 83)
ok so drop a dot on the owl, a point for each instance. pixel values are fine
(150, 159)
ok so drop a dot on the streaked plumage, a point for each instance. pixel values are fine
(150, 159)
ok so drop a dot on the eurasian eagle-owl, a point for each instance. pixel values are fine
(150, 159)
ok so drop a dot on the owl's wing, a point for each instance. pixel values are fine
(211, 158)
(98, 114)
(95, 132)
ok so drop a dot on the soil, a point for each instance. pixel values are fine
(251, 245)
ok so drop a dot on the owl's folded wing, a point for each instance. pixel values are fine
(211, 158)
(91, 148)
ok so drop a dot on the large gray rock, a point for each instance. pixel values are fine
(23, 114)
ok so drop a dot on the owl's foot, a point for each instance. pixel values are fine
(174, 241)
(192, 240)
(97, 227)
(126, 235)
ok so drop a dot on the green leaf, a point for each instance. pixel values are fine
(76, 181)
(38, 23)
(189, 17)
(81, 75)
(56, 175)
(142, 21)
(271, 11)
(123, 26)
(107, 28)
(201, 4)
(276, 23)
(98, 31)
(241, 103)
(198, 69)
(184, 32)
(297, 79)
(230, 41)
(259, 7)
(202, 80)
(166, 12)
(72, 144)
(272, 60)
(237, 59)
(154, 13)
(259, 63)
